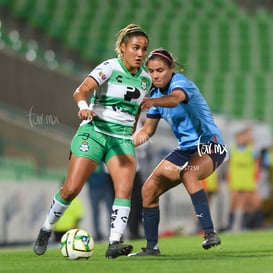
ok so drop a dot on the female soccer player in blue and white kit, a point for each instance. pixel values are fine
(200, 147)
(106, 135)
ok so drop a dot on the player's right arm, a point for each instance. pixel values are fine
(80, 96)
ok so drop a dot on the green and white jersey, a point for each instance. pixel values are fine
(117, 101)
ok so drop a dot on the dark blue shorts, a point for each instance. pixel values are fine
(217, 152)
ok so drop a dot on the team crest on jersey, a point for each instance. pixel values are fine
(144, 83)
(84, 146)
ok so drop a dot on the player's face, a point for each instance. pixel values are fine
(160, 72)
(134, 52)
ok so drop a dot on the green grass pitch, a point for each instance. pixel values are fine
(248, 252)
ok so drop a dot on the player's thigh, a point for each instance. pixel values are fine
(199, 166)
(165, 176)
(78, 171)
(122, 168)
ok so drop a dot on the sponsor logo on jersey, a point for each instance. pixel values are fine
(102, 75)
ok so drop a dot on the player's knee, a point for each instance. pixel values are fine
(69, 193)
(149, 193)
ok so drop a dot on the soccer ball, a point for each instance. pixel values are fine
(77, 244)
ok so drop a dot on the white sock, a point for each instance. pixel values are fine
(57, 209)
(119, 218)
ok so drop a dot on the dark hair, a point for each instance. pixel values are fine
(165, 56)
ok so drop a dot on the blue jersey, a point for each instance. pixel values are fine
(191, 121)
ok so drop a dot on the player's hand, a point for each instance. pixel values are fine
(86, 114)
(146, 104)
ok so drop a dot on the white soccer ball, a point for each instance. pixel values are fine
(77, 244)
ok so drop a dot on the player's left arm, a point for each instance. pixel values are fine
(146, 132)
(177, 96)
(137, 119)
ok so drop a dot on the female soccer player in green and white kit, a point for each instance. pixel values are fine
(105, 135)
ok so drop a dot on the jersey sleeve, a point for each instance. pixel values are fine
(184, 85)
(153, 113)
(102, 72)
